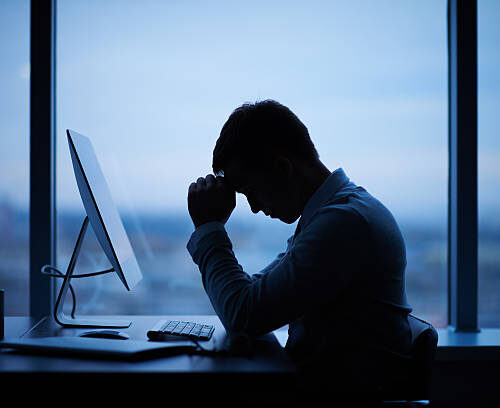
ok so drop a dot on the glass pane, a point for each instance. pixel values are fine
(153, 82)
(14, 155)
(489, 162)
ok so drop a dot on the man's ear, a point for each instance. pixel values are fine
(284, 167)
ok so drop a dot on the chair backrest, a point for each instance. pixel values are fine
(424, 347)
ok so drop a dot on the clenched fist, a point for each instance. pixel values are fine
(210, 199)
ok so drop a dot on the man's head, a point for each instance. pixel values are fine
(263, 151)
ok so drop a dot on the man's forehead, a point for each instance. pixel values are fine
(236, 176)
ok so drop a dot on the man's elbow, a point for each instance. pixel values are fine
(238, 315)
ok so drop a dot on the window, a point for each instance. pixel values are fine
(14, 155)
(489, 163)
(153, 82)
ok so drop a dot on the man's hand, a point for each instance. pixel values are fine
(210, 199)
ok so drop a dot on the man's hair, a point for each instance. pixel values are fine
(256, 132)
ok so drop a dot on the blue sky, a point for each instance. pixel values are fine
(152, 82)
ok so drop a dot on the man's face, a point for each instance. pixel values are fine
(266, 190)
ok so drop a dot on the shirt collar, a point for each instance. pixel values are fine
(330, 186)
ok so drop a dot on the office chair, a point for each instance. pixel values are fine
(405, 379)
(414, 390)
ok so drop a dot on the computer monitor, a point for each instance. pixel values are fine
(106, 223)
(101, 210)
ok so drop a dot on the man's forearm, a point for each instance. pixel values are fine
(226, 284)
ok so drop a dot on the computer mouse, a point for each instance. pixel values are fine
(105, 334)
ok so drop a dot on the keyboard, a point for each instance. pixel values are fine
(165, 328)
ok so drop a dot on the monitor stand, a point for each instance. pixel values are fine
(68, 321)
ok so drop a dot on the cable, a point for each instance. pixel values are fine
(199, 345)
(59, 274)
(202, 351)
(86, 275)
(81, 275)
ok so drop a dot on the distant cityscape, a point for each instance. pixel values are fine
(172, 284)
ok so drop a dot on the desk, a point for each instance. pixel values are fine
(268, 372)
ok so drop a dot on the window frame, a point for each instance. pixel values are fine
(462, 139)
(42, 206)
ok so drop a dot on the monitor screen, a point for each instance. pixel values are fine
(101, 210)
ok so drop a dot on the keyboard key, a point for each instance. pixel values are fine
(171, 324)
(187, 329)
(179, 328)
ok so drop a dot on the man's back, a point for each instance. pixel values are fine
(370, 313)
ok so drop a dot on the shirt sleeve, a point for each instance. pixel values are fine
(274, 263)
(202, 231)
(320, 264)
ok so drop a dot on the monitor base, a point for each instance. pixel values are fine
(90, 323)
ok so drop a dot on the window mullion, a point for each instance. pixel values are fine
(42, 154)
(462, 209)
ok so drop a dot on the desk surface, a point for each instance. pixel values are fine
(268, 356)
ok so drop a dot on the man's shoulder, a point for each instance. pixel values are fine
(357, 202)
(347, 204)
(356, 207)
(338, 214)
(335, 228)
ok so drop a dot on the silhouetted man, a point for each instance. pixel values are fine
(340, 283)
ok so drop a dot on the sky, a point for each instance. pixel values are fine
(152, 82)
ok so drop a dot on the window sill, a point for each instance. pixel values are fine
(455, 346)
